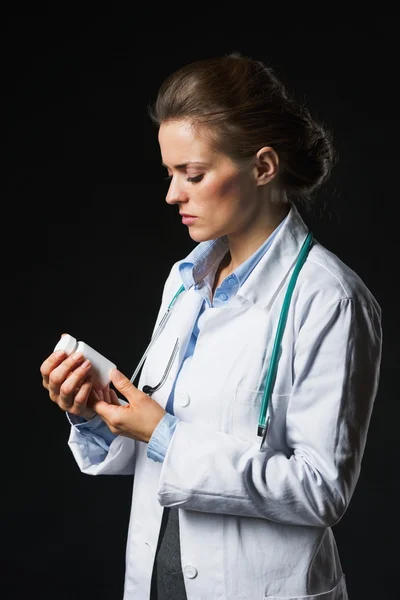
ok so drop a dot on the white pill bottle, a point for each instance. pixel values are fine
(101, 366)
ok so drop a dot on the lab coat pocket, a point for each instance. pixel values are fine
(246, 413)
(337, 593)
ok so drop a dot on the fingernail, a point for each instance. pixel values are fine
(77, 355)
(59, 353)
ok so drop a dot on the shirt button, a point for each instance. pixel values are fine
(222, 297)
(183, 399)
(190, 571)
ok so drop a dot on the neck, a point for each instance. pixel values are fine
(244, 243)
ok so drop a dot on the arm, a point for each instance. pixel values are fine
(162, 435)
(95, 427)
(97, 450)
(336, 369)
(95, 437)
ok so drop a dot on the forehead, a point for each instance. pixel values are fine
(179, 144)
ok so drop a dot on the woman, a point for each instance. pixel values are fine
(227, 503)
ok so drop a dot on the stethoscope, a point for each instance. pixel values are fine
(263, 421)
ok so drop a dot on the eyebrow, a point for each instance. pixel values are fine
(183, 165)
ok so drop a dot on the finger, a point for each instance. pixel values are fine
(111, 414)
(114, 398)
(100, 395)
(60, 373)
(69, 387)
(109, 396)
(50, 363)
(81, 397)
(104, 394)
(123, 384)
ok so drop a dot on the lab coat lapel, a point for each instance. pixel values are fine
(185, 318)
(272, 272)
(179, 325)
(261, 288)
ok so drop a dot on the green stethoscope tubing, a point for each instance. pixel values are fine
(262, 421)
(181, 289)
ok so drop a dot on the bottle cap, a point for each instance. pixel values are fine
(67, 343)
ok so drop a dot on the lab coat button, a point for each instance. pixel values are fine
(183, 399)
(190, 571)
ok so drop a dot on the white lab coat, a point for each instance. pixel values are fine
(256, 524)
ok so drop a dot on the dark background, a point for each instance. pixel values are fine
(87, 242)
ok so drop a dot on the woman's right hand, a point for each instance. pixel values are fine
(68, 381)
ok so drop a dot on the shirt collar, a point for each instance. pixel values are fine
(202, 259)
(206, 256)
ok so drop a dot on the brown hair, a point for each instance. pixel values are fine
(246, 106)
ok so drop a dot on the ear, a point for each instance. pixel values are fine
(266, 165)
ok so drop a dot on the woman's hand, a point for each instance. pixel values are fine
(68, 381)
(136, 420)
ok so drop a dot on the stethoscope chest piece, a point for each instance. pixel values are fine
(262, 431)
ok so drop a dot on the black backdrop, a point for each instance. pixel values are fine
(87, 241)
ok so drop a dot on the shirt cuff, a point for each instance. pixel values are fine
(162, 435)
(77, 420)
(95, 426)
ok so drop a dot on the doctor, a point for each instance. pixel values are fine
(228, 505)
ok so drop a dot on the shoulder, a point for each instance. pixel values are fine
(327, 278)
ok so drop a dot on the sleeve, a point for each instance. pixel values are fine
(161, 438)
(95, 448)
(94, 427)
(336, 366)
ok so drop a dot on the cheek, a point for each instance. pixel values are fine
(224, 189)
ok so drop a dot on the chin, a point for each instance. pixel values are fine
(202, 236)
(203, 233)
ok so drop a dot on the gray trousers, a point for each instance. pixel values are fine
(167, 579)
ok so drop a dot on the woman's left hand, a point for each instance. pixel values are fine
(136, 420)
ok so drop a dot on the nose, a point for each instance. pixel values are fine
(175, 193)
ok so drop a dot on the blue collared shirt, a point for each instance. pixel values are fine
(197, 270)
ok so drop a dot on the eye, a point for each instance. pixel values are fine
(195, 179)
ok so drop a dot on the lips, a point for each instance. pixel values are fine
(186, 215)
